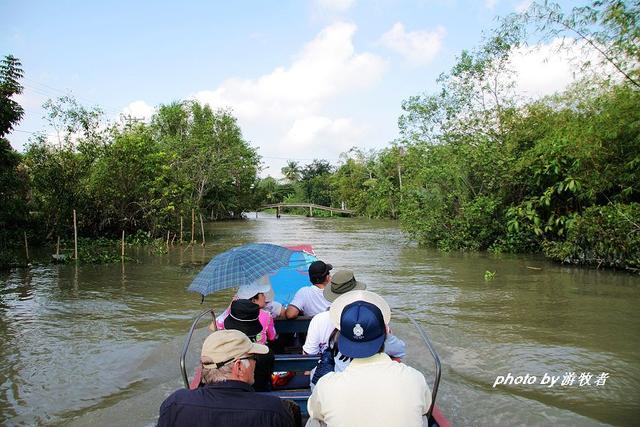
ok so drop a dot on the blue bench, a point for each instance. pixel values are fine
(295, 362)
(299, 324)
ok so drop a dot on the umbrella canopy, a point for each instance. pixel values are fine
(240, 266)
(286, 280)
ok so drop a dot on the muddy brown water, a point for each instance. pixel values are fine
(99, 345)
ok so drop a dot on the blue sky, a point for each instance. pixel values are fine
(306, 79)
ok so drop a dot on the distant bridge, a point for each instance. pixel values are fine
(311, 206)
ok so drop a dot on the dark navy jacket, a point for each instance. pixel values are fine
(229, 403)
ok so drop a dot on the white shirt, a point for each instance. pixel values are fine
(321, 327)
(310, 300)
(373, 391)
(318, 334)
(274, 308)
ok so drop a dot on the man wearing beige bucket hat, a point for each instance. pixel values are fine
(321, 328)
(228, 364)
(373, 389)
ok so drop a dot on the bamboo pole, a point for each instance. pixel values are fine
(193, 226)
(26, 246)
(122, 247)
(58, 247)
(202, 229)
(168, 234)
(173, 239)
(75, 236)
(180, 230)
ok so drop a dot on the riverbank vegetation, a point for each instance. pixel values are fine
(476, 166)
(158, 177)
(479, 168)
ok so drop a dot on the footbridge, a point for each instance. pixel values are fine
(279, 207)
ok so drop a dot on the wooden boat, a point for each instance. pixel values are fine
(288, 358)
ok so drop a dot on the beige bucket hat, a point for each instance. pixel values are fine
(227, 345)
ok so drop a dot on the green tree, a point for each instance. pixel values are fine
(10, 111)
(215, 166)
(315, 182)
(130, 185)
(13, 180)
(291, 171)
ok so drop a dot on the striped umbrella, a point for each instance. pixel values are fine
(240, 266)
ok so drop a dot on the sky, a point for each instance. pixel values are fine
(305, 79)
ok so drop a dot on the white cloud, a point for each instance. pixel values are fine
(523, 5)
(139, 110)
(323, 136)
(490, 4)
(30, 99)
(335, 5)
(283, 111)
(418, 47)
(326, 66)
(545, 68)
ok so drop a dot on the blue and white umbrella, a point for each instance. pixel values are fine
(240, 266)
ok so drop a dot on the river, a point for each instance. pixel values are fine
(99, 345)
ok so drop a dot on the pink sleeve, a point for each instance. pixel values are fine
(220, 319)
(267, 323)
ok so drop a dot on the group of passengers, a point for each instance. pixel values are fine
(359, 380)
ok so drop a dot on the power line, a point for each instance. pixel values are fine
(48, 91)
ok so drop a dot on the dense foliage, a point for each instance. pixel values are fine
(475, 167)
(117, 178)
(478, 168)
(13, 177)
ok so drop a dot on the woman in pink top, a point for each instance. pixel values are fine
(268, 330)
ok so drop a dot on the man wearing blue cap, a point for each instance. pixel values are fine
(373, 389)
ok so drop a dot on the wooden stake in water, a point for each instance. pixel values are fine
(193, 226)
(58, 247)
(202, 229)
(122, 247)
(181, 230)
(26, 246)
(168, 234)
(75, 236)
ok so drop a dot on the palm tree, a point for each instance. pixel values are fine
(292, 171)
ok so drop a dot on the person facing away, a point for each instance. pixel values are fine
(310, 299)
(226, 399)
(322, 334)
(373, 390)
(255, 293)
(244, 316)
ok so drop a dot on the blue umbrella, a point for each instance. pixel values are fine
(286, 281)
(240, 266)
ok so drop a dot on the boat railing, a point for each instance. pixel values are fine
(434, 354)
(421, 332)
(185, 349)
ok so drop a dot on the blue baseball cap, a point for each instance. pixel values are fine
(362, 330)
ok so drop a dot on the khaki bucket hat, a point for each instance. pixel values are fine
(341, 283)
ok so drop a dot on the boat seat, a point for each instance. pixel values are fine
(298, 382)
(299, 324)
(295, 362)
(298, 396)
